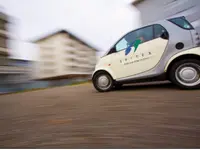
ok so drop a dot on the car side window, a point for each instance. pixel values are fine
(144, 34)
(181, 22)
(158, 30)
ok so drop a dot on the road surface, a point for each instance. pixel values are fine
(144, 116)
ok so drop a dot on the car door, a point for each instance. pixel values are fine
(139, 51)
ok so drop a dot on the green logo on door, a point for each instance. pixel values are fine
(135, 44)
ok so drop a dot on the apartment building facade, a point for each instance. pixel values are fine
(153, 10)
(62, 54)
(3, 40)
(12, 71)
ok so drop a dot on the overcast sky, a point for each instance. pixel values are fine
(98, 22)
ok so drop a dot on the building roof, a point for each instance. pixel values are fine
(66, 32)
(135, 2)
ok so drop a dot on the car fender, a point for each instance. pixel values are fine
(107, 69)
(193, 51)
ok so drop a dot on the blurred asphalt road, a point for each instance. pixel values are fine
(144, 116)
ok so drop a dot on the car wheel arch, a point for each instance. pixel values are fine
(102, 70)
(181, 57)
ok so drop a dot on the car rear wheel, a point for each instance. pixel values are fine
(102, 82)
(186, 74)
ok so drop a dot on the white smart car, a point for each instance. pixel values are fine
(165, 50)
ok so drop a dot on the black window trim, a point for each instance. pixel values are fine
(162, 27)
(113, 50)
(170, 20)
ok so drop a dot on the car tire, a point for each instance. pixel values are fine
(102, 81)
(186, 74)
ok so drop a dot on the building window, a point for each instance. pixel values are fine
(2, 25)
(48, 56)
(47, 63)
(72, 67)
(48, 71)
(3, 41)
(3, 61)
(72, 59)
(71, 52)
(65, 67)
(71, 44)
(81, 54)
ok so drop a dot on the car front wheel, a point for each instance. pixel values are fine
(186, 74)
(102, 82)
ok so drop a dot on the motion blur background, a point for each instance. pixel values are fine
(45, 43)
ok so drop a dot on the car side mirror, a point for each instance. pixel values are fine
(165, 35)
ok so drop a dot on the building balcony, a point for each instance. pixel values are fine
(81, 70)
(78, 51)
(4, 51)
(47, 57)
(47, 72)
(78, 64)
(6, 33)
(48, 66)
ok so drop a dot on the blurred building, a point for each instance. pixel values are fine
(3, 40)
(63, 54)
(16, 72)
(23, 70)
(153, 10)
(12, 71)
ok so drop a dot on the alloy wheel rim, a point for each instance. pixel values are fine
(188, 74)
(103, 82)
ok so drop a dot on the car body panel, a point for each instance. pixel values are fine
(193, 51)
(145, 58)
(104, 65)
